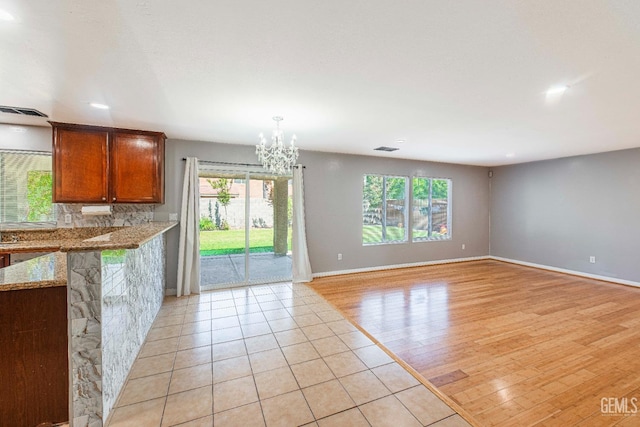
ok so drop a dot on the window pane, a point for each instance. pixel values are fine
(25, 187)
(431, 209)
(440, 209)
(383, 206)
(395, 224)
(421, 190)
(372, 209)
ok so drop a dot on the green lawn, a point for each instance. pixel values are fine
(224, 242)
(373, 234)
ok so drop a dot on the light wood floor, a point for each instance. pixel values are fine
(512, 345)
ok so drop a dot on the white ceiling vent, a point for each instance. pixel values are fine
(22, 111)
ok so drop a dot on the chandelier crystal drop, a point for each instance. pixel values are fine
(278, 158)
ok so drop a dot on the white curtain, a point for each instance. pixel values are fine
(188, 252)
(299, 256)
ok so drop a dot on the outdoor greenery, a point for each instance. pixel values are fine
(223, 187)
(386, 207)
(373, 234)
(384, 214)
(217, 215)
(216, 237)
(206, 224)
(222, 242)
(372, 189)
(114, 256)
(39, 195)
(440, 188)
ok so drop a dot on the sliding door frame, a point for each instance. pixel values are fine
(248, 172)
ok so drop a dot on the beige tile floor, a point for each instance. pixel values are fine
(268, 355)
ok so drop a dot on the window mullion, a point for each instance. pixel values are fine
(384, 208)
(430, 209)
(408, 210)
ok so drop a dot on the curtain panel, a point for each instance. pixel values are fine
(188, 251)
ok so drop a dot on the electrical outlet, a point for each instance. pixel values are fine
(463, 246)
(339, 257)
(68, 219)
(592, 259)
(173, 217)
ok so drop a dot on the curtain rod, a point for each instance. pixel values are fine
(232, 164)
(225, 163)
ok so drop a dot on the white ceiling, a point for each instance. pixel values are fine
(460, 81)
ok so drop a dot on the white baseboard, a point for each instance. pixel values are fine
(173, 292)
(566, 271)
(395, 266)
(454, 260)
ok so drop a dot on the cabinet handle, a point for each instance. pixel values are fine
(104, 198)
(114, 199)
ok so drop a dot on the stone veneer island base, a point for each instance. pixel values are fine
(114, 296)
(114, 285)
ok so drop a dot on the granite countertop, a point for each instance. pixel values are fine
(119, 238)
(81, 238)
(46, 271)
(47, 239)
(51, 269)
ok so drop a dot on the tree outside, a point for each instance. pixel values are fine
(223, 188)
(384, 214)
(39, 195)
(440, 188)
(222, 220)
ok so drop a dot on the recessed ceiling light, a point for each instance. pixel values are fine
(99, 106)
(18, 129)
(511, 155)
(6, 16)
(557, 90)
(400, 141)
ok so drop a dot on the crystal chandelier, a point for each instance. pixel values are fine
(278, 157)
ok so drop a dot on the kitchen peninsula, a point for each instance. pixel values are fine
(111, 281)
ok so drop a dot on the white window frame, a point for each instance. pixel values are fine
(27, 224)
(407, 193)
(429, 238)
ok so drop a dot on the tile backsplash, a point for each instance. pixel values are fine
(121, 215)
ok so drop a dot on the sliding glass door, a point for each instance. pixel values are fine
(245, 228)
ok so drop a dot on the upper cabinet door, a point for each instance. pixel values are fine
(137, 167)
(81, 165)
(103, 165)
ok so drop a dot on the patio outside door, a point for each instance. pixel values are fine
(245, 228)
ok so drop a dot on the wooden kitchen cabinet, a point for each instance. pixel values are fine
(80, 165)
(35, 367)
(137, 168)
(94, 164)
(5, 260)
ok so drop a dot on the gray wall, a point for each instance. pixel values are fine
(333, 205)
(556, 212)
(560, 212)
(333, 202)
(175, 151)
(32, 138)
